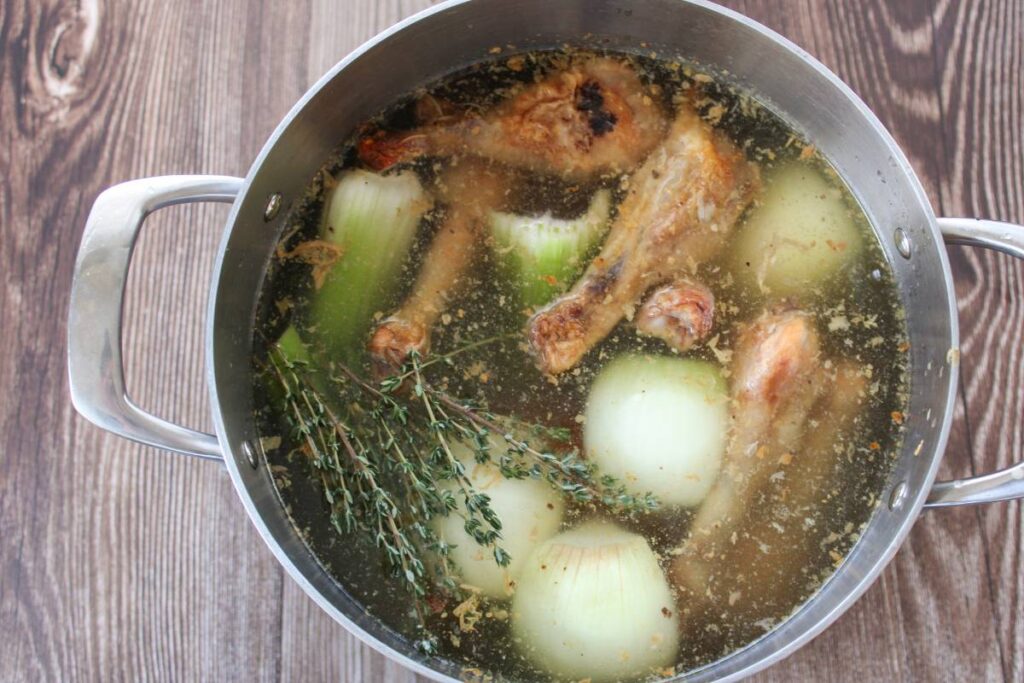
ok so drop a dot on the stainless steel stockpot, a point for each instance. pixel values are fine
(426, 47)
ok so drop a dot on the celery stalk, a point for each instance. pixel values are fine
(373, 218)
(541, 255)
(292, 347)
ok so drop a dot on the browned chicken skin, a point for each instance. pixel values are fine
(768, 565)
(776, 378)
(593, 117)
(590, 118)
(681, 314)
(680, 208)
(470, 188)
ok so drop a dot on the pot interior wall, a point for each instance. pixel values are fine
(457, 34)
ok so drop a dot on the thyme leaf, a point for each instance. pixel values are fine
(382, 452)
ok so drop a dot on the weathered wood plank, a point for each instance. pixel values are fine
(980, 60)
(906, 626)
(119, 562)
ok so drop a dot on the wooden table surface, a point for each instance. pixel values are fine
(119, 562)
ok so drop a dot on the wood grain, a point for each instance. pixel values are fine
(979, 58)
(906, 627)
(118, 562)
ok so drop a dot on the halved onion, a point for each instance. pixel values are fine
(659, 425)
(530, 512)
(801, 234)
(593, 603)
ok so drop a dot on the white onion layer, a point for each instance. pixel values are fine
(594, 603)
(659, 425)
(800, 235)
(530, 512)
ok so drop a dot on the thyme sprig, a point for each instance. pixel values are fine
(384, 453)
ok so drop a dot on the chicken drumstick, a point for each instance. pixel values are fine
(776, 378)
(470, 188)
(766, 565)
(681, 206)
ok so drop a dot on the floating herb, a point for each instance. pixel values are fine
(380, 449)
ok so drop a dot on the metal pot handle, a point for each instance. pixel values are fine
(95, 366)
(1006, 484)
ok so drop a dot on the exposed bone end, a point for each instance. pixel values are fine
(708, 538)
(394, 340)
(680, 314)
(558, 336)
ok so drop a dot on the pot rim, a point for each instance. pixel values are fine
(913, 505)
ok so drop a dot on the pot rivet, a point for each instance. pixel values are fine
(902, 242)
(250, 453)
(273, 206)
(898, 495)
